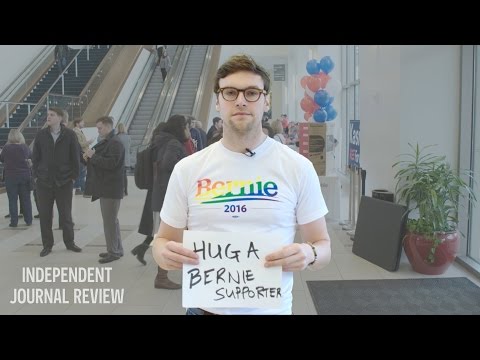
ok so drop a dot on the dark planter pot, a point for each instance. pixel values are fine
(417, 248)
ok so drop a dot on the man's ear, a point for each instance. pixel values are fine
(217, 107)
(267, 103)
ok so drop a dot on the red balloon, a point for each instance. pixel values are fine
(323, 78)
(307, 116)
(314, 83)
(303, 81)
(307, 104)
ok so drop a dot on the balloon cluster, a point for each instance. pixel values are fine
(320, 91)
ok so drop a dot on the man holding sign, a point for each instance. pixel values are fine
(235, 194)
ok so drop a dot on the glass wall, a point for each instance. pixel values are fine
(474, 238)
(350, 97)
(469, 215)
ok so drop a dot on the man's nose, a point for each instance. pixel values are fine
(241, 99)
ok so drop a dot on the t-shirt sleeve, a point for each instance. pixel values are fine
(175, 206)
(311, 204)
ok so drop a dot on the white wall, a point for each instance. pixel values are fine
(13, 60)
(407, 94)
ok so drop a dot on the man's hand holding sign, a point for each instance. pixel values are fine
(230, 270)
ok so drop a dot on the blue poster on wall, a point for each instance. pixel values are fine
(354, 144)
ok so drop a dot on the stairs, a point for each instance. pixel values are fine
(143, 116)
(187, 91)
(78, 75)
(74, 82)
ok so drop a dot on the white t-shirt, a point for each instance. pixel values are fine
(278, 187)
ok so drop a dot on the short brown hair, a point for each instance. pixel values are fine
(105, 120)
(58, 111)
(77, 121)
(239, 63)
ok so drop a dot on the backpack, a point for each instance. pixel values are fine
(144, 169)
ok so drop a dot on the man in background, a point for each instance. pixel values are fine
(56, 166)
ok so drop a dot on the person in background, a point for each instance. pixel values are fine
(106, 160)
(165, 63)
(159, 49)
(61, 55)
(285, 123)
(169, 149)
(16, 157)
(195, 134)
(217, 136)
(216, 126)
(78, 125)
(242, 95)
(126, 142)
(278, 132)
(203, 134)
(267, 129)
(56, 166)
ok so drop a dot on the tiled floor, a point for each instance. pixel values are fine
(20, 248)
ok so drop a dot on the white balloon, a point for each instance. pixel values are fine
(334, 87)
(309, 92)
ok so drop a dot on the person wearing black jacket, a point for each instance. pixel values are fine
(168, 148)
(105, 176)
(56, 165)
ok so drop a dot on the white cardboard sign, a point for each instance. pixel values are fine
(231, 270)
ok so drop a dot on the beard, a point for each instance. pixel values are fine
(241, 127)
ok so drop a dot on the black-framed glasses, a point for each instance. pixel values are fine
(250, 94)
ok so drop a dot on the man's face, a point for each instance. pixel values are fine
(103, 130)
(240, 115)
(219, 124)
(53, 119)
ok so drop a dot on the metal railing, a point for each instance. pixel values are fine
(76, 105)
(9, 105)
(21, 82)
(25, 81)
(103, 69)
(169, 90)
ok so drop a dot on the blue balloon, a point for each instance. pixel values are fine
(326, 64)
(331, 113)
(320, 115)
(312, 67)
(329, 101)
(321, 97)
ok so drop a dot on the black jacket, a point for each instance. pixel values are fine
(56, 163)
(105, 169)
(166, 158)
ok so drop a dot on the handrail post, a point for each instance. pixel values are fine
(7, 117)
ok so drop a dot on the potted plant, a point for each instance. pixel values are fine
(431, 190)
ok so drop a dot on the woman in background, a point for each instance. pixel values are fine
(168, 149)
(16, 157)
(126, 141)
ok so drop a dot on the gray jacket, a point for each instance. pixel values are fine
(126, 141)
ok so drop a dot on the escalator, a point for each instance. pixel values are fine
(184, 86)
(187, 90)
(143, 115)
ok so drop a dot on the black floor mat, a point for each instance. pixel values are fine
(437, 296)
